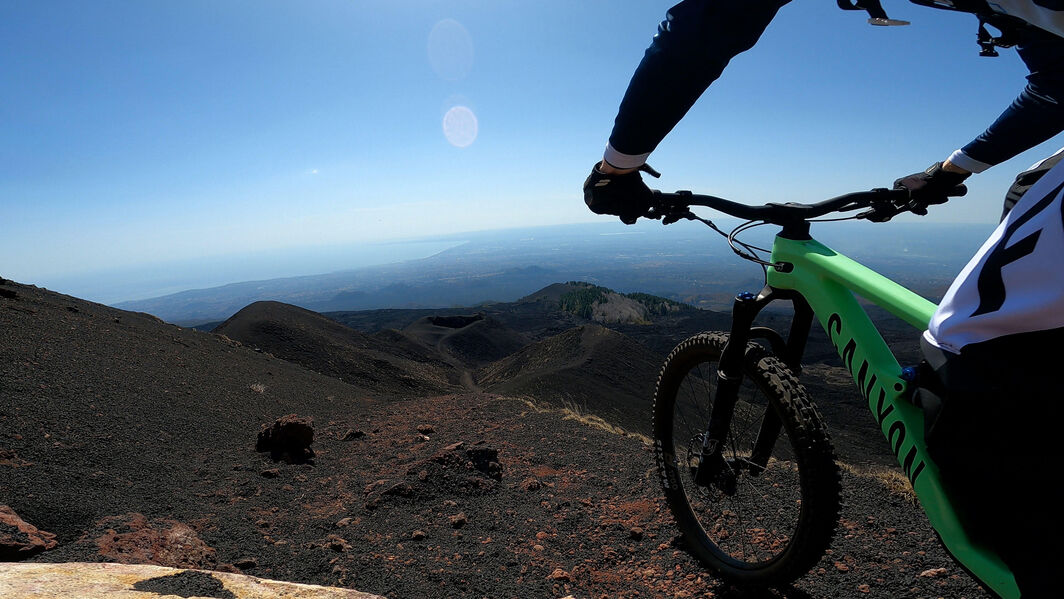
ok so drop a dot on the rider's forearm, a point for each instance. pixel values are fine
(689, 52)
(1035, 116)
(1030, 120)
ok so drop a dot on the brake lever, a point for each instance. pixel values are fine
(881, 211)
(670, 213)
(676, 216)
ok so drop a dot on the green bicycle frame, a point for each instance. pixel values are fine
(829, 281)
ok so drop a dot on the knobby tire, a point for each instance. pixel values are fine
(775, 525)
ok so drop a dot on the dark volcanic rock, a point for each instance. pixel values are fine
(352, 434)
(8, 457)
(288, 439)
(20, 539)
(482, 459)
(458, 520)
(486, 460)
(452, 470)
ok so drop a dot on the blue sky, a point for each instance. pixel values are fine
(134, 134)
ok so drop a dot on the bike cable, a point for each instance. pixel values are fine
(751, 250)
(748, 251)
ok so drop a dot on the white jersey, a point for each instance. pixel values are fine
(1015, 283)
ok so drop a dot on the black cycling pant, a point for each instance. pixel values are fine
(994, 434)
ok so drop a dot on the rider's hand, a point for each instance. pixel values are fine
(622, 194)
(932, 186)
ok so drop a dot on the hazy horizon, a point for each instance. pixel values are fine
(149, 281)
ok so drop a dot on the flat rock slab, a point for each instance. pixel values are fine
(131, 581)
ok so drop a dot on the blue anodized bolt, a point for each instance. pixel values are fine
(908, 374)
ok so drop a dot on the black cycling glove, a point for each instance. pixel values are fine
(624, 195)
(933, 186)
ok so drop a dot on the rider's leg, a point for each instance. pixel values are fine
(995, 440)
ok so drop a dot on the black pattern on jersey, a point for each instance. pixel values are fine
(991, 285)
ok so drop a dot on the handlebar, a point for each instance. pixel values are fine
(882, 204)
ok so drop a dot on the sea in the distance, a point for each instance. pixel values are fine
(136, 283)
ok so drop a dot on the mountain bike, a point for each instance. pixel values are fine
(744, 458)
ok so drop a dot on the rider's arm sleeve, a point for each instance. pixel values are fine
(693, 45)
(1035, 116)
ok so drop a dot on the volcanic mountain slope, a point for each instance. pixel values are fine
(383, 363)
(591, 302)
(549, 311)
(604, 305)
(105, 412)
(134, 441)
(590, 369)
(656, 322)
(542, 314)
(471, 340)
(551, 294)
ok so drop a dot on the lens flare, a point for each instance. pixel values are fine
(450, 50)
(460, 126)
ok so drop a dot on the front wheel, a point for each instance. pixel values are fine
(768, 513)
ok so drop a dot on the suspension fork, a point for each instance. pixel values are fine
(791, 353)
(730, 377)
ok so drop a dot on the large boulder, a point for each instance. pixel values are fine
(133, 539)
(288, 439)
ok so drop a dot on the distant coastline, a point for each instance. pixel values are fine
(156, 280)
